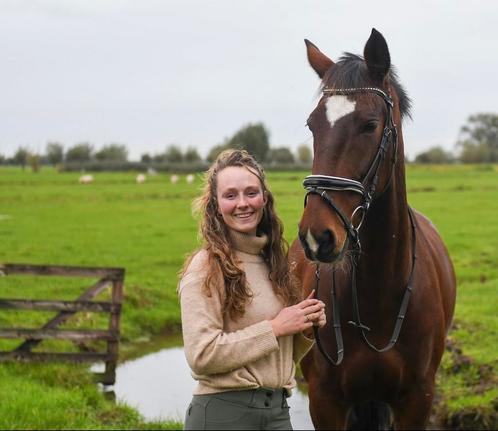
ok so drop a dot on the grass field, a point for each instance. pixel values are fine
(48, 218)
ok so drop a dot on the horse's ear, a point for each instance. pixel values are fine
(377, 56)
(318, 61)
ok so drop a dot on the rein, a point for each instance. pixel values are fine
(320, 184)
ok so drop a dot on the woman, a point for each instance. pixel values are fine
(241, 316)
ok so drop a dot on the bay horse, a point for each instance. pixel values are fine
(380, 267)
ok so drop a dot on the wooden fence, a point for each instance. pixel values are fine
(66, 309)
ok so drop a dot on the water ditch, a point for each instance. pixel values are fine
(154, 378)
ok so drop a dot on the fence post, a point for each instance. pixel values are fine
(109, 377)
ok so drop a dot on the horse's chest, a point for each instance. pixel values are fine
(368, 376)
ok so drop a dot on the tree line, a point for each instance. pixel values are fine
(254, 138)
(477, 143)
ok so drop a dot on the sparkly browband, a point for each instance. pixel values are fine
(344, 91)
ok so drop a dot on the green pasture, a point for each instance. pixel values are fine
(48, 218)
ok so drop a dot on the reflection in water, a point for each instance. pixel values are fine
(159, 385)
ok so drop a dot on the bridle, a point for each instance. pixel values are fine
(321, 184)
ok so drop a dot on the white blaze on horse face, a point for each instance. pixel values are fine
(337, 107)
(311, 241)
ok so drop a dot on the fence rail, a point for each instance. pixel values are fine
(32, 304)
(113, 277)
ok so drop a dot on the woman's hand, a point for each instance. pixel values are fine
(321, 320)
(297, 318)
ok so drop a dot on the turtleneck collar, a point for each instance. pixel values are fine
(249, 244)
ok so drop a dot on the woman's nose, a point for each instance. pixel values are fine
(242, 202)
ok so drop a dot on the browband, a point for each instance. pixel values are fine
(345, 91)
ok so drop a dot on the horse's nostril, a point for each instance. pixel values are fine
(327, 243)
(326, 238)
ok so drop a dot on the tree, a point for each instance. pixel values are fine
(173, 154)
(21, 157)
(54, 153)
(34, 162)
(475, 153)
(146, 158)
(159, 158)
(435, 155)
(478, 140)
(254, 138)
(191, 155)
(280, 155)
(80, 153)
(2, 159)
(215, 151)
(304, 154)
(112, 153)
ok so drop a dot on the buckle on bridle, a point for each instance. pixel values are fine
(364, 212)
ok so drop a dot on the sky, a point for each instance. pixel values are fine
(151, 73)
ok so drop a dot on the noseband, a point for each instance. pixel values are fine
(321, 184)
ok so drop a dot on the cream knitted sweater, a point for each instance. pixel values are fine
(227, 354)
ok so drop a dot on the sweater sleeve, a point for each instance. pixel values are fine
(302, 345)
(208, 349)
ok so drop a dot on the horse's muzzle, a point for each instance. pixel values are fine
(321, 248)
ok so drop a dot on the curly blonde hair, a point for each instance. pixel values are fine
(223, 272)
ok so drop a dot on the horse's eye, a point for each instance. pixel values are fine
(369, 127)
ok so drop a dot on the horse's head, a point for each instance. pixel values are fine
(354, 142)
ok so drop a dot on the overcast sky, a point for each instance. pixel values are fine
(151, 73)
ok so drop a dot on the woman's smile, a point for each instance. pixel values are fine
(245, 215)
(241, 199)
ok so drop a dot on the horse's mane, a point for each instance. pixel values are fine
(351, 72)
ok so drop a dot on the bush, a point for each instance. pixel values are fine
(435, 155)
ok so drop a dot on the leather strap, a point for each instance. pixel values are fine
(336, 322)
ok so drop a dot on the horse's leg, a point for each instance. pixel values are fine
(327, 413)
(412, 411)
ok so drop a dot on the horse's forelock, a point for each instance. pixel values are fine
(351, 72)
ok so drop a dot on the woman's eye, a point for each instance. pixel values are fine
(369, 127)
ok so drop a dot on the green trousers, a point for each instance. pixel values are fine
(254, 409)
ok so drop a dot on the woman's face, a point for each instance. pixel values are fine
(240, 198)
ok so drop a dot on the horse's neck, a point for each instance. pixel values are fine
(386, 237)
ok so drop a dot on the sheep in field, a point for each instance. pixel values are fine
(86, 179)
(140, 178)
(190, 178)
(174, 179)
